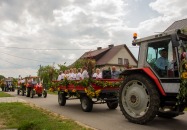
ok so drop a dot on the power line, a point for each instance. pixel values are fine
(40, 48)
(51, 49)
(12, 63)
(25, 58)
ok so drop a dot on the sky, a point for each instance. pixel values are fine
(52, 32)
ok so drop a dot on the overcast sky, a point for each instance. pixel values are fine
(29, 27)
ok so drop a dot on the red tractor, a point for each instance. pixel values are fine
(152, 89)
(34, 86)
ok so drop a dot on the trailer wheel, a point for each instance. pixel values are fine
(61, 99)
(86, 104)
(138, 99)
(112, 104)
(45, 94)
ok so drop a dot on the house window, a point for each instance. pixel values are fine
(120, 61)
(126, 61)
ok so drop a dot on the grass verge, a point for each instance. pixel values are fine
(3, 94)
(24, 117)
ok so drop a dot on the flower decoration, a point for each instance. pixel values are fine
(87, 84)
(66, 90)
(183, 85)
(74, 90)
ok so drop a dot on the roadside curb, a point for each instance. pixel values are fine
(11, 99)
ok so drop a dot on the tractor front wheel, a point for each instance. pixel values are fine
(138, 99)
(45, 94)
(112, 104)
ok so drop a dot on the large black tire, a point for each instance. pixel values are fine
(28, 92)
(61, 99)
(112, 104)
(45, 94)
(86, 104)
(139, 99)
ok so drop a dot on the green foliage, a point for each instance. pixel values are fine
(47, 74)
(2, 77)
(62, 67)
(182, 95)
(23, 117)
(2, 94)
(78, 64)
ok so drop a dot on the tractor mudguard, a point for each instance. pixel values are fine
(149, 73)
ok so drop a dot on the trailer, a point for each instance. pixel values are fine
(89, 92)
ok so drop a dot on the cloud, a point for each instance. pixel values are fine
(80, 25)
(170, 8)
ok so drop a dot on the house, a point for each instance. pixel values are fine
(119, 56)
(177, 25)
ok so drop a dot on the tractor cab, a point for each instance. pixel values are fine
(163, 54)
(154, 88)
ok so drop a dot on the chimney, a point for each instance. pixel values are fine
(111, 45)
(99, 48)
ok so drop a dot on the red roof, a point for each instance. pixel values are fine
(102, 56)
(94, 53)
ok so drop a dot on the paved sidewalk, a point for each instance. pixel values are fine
(11, 99)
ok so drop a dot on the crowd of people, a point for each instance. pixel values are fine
(79, 74)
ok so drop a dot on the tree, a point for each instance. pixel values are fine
(2, 77)
(47, 74)
(62, 67)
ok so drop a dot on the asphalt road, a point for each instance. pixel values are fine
(101, 117)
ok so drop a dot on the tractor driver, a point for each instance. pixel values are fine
(162, 62)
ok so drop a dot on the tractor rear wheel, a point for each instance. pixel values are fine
(138, 99)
